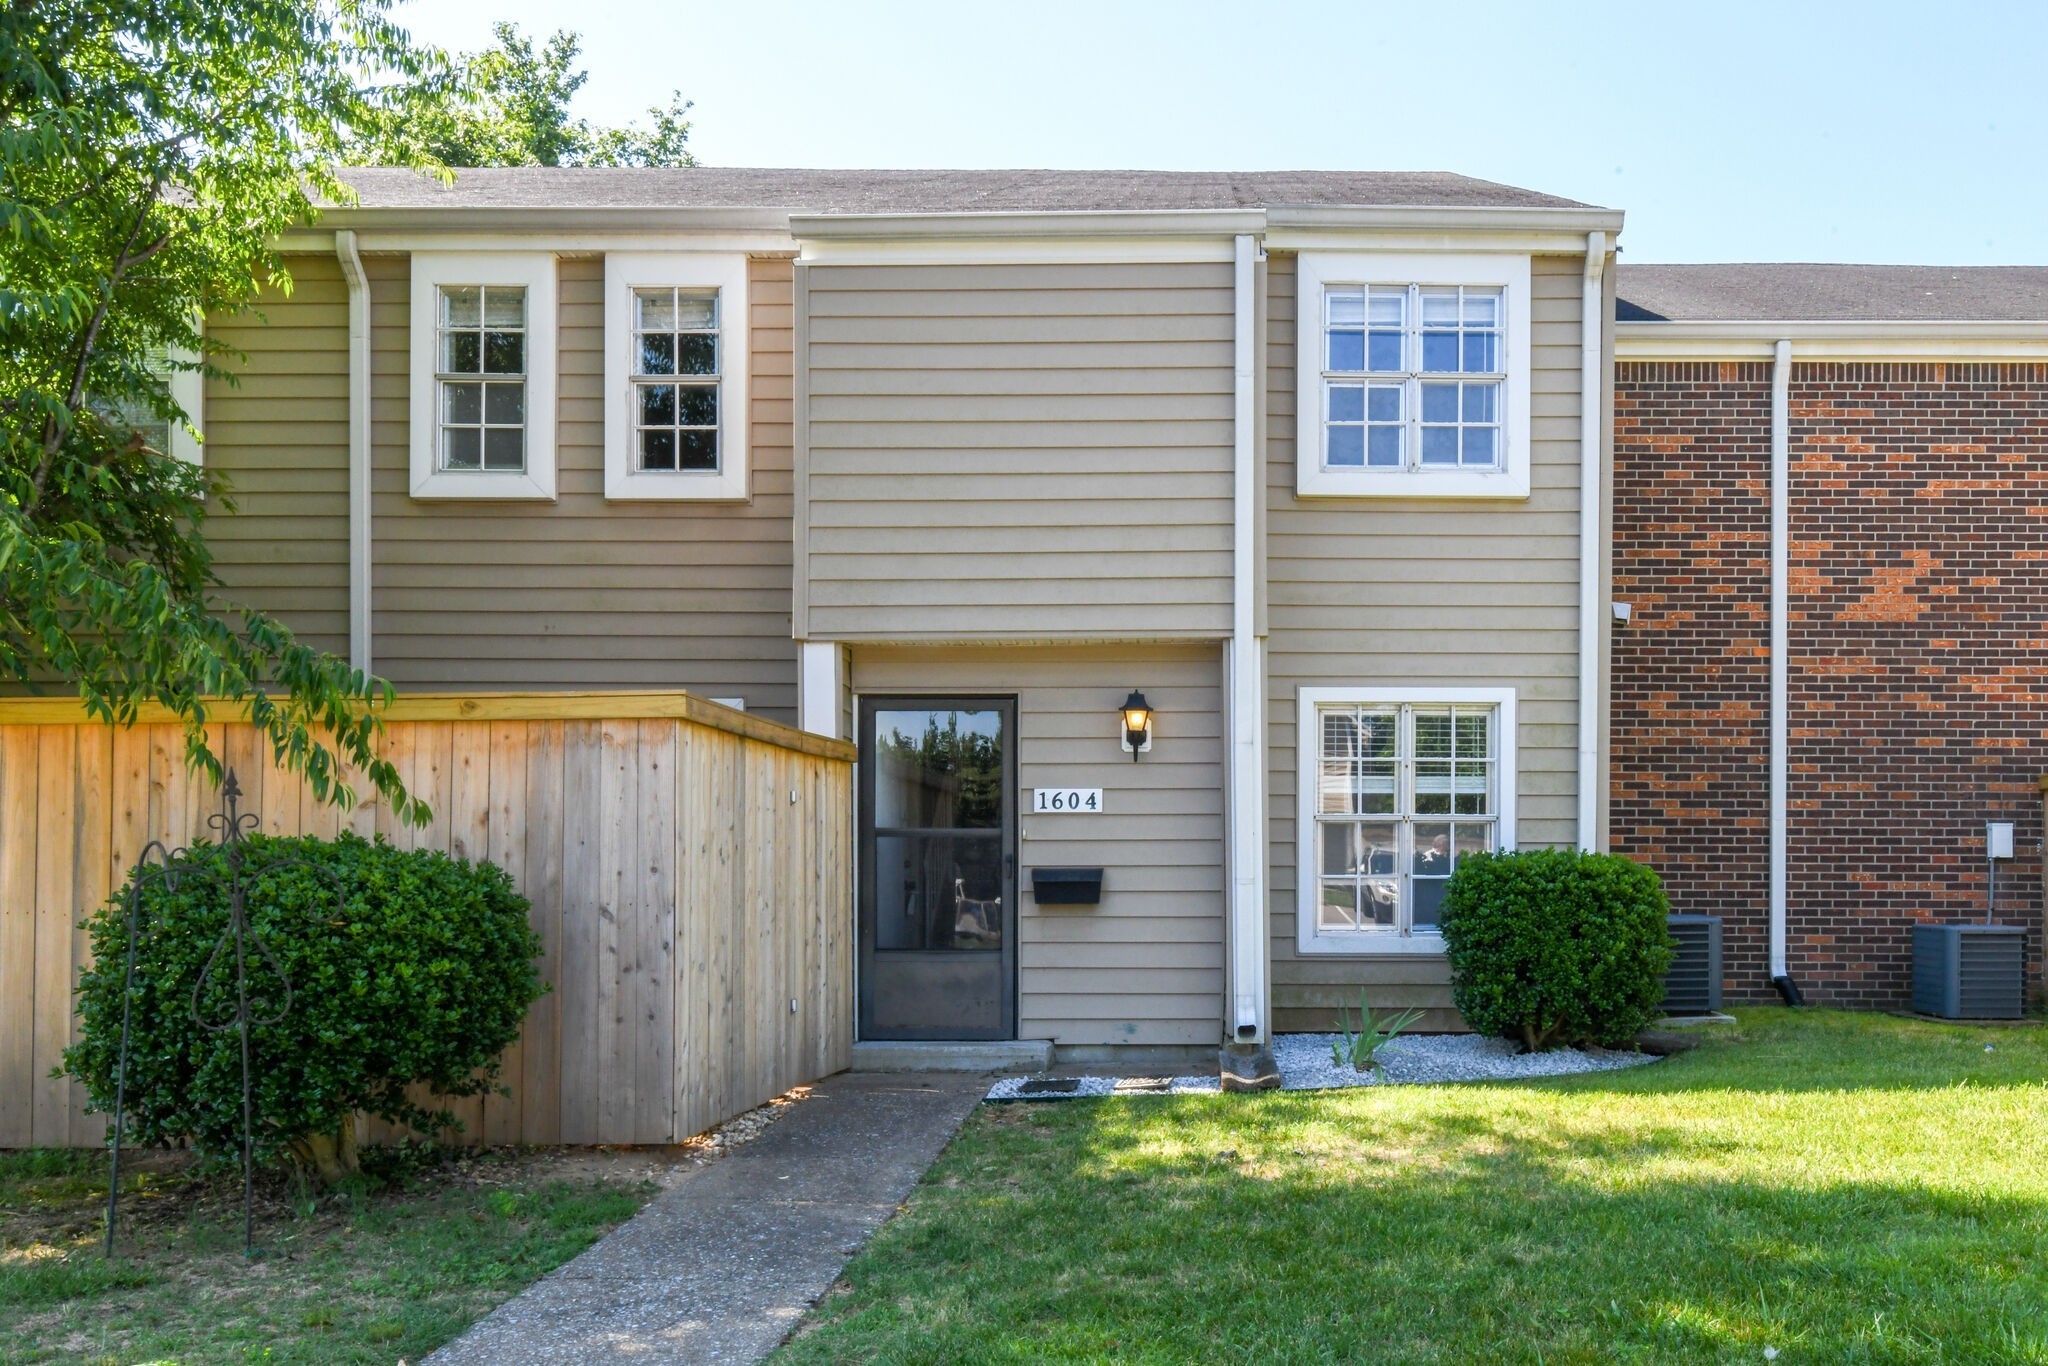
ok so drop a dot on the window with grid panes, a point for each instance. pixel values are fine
(482, 378)
(1414, 377)
(1403, 791)
(675, 348)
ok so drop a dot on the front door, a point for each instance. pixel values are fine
(938, 878)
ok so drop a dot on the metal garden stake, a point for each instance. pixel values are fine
(233, 825)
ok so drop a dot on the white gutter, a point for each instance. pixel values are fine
(1832, 339)
(1591, 585)
(1781, 558)
(1246, 681)
(358, 449)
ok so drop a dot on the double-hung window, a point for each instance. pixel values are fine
(675, 379)
(482, 378)
(675, 375)
(179, 370)
(1397, 787)
(1414, 375)
(483, 375)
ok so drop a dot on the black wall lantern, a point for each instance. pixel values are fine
(1137, 720)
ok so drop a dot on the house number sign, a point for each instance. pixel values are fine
(1085, 800)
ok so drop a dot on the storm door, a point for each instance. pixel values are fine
(938, 874)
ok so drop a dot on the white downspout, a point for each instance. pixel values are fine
(358, 449)
(1781, 559)
(1246, 683)
(1591, 586)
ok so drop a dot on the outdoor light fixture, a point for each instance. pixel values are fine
(1137, 718)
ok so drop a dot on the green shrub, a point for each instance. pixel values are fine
(1556, 946)
(421, 976)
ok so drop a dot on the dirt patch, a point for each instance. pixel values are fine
(381, 1268)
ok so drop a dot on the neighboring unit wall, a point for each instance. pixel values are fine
(1068, 429)
(1917, 598)
(280, 435)
(1146, 966)
(581, 593)
(1388, 592)
(1691, 712)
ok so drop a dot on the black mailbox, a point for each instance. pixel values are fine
(1066, 886)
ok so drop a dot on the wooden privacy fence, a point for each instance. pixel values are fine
(690, 869)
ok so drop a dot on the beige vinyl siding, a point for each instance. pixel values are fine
(1146, 966)
(280, 435)
(1027, 451)
(1435, 593)
(583, 593)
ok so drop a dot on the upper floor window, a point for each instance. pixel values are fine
(1415, 375)
(675, 375)
(187, 387)
(1412, 376)
(675, 379)
(1398, 785)
(483, 378)
(483, 375)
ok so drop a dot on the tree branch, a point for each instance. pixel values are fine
(53, 436)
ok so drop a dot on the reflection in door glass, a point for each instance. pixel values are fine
(938, 770)
(938, 892)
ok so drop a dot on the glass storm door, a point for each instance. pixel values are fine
(938, 894)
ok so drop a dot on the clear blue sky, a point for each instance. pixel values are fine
(1729, 132)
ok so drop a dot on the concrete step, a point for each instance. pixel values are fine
(1009, 1055)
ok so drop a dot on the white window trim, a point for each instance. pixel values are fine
(433, 271)
(188, 391)
(727, 273)
(1308, 750)
(1315, 272)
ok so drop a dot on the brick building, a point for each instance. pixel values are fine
(1914, 413)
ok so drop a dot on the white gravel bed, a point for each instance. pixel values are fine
(1012, 1088)
(1305, 1063)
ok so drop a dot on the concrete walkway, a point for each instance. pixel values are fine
(720, 1267)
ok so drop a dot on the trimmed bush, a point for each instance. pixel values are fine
(420, 977)
(1556, 946)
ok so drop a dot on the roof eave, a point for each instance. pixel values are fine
(1453, 217)
(429, 219)
(1011, 224)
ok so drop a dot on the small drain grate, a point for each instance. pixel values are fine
(1050, 1086)
(1147, 1086)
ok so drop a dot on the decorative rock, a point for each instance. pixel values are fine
(1247, 1067)
(1662, 1043)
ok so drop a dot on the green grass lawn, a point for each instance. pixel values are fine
(383, 1274)
(1837, 1187)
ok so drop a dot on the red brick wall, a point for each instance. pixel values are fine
(1691, 686)
(1919, 618)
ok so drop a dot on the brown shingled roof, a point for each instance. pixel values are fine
(1820, 292)
(866, 192)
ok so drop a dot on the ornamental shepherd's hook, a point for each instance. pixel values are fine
(234, 826)
(165, 870)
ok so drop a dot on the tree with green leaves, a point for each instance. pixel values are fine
(509, 106)
(150, 153)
